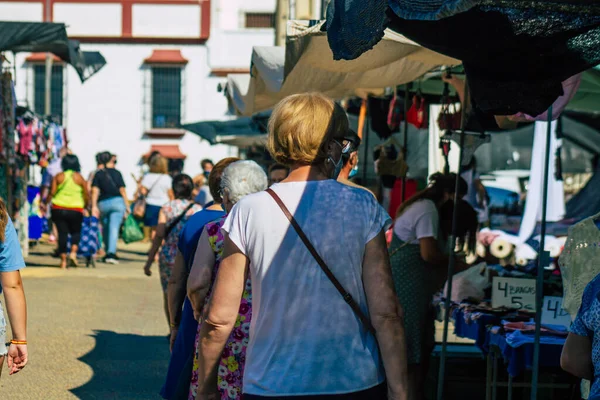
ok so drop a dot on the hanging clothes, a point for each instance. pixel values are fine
(569, 87)
(515, 53)
(428, 10)
(555, 202)
(378, 116)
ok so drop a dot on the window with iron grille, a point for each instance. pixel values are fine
(260, 20)
(56, 90)
(166, 97)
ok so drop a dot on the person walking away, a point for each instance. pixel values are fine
(109, 200)
(183, 325)
(53, 169)
(303, 330)
(171, 219)
(239, 180)
(207, 166)
(70, 198)
(202, 193)
(156, 188)
(11, 262)
(419, 259)
(277, 173)
(93, 174)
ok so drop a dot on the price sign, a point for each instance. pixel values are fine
(513, 293)
(553, 313)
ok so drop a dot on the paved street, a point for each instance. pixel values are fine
(93, 333)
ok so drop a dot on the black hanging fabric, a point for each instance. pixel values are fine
(378, 113)
(515, 53)
(39, 37)
(515, 60)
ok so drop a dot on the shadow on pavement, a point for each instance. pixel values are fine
(125, 366)
(133, 252)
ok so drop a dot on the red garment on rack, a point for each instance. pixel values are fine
(25, 138)
(396, 197)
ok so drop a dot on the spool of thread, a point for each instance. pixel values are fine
(521, 261)
(554, 249)
(480, 250)
(524, 253)
(501, 248)
(471, 258)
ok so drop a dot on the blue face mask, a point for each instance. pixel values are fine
(353, 173)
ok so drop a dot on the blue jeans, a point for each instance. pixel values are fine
(112, 212)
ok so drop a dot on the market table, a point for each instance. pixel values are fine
(515, 349)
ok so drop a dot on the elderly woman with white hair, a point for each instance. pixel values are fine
(239, 179)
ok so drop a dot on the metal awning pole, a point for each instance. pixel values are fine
(452, 253)
(542, 262)
(405, 137)
(48, 80)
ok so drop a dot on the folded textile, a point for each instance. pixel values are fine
(518, 338)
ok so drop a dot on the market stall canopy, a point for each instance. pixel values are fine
(586, 99)
(239, 132)
(306, 64)
(36, 37)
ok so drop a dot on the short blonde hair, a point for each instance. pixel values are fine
(300, 127)
(159, 165)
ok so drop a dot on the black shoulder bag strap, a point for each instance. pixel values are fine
(178, 219)
(347, 296)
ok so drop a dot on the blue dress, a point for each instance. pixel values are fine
(184, 343)
(587, 323)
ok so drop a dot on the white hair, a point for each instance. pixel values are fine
(242, 178)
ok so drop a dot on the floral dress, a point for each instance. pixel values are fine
(233, 359)
(168, 251)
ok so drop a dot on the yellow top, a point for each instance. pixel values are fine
(69, 194)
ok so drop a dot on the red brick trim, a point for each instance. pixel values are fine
(223, 72)
(41, 58)
(166, 57)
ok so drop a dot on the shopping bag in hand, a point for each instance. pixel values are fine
(131, 230)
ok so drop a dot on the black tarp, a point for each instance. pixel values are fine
(39, 37)
(241, 132)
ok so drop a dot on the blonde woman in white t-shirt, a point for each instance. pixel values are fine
(305, 340)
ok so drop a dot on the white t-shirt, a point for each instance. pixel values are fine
(304, 339)
(418, 221)
(158, 186)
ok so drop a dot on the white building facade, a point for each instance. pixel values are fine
(165, 59)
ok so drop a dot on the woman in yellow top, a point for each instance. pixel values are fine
(70, 197)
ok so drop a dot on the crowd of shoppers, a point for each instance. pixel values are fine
(247, 271)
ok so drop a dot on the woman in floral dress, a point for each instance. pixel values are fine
(171, 220)
(239, 179)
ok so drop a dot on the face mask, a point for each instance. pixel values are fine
(353, 173)
(335, 151)
(206, 174)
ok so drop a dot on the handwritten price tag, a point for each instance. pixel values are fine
(553, 313)
(513, 293)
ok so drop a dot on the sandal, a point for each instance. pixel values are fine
(73, 262)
